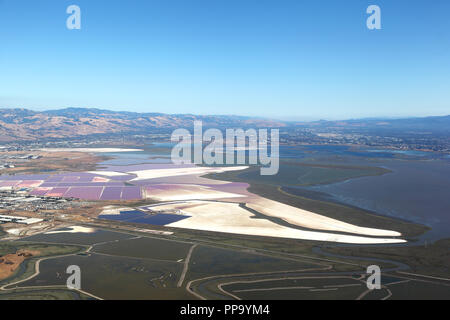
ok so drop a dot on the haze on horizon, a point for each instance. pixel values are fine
(287, 60)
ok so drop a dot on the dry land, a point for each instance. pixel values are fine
(55, 161)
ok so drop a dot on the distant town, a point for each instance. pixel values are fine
(83, 127)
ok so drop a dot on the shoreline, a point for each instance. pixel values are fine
(328, 208)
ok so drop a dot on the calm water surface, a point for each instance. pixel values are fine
(417, 191)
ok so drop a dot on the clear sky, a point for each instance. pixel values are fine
(282, 59)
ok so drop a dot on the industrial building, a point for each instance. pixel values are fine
(21, 220)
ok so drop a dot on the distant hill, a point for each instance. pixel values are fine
(23, 124)
(432, 125)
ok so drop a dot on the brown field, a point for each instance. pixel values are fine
(53, 162)
(10, 262)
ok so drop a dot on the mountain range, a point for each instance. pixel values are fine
(23, 124)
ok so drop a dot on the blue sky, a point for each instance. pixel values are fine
(297, 59)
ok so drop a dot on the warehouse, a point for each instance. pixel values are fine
(21, 220)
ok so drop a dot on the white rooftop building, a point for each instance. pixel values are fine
(21, 220)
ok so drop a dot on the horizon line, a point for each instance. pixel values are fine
(311, 118)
